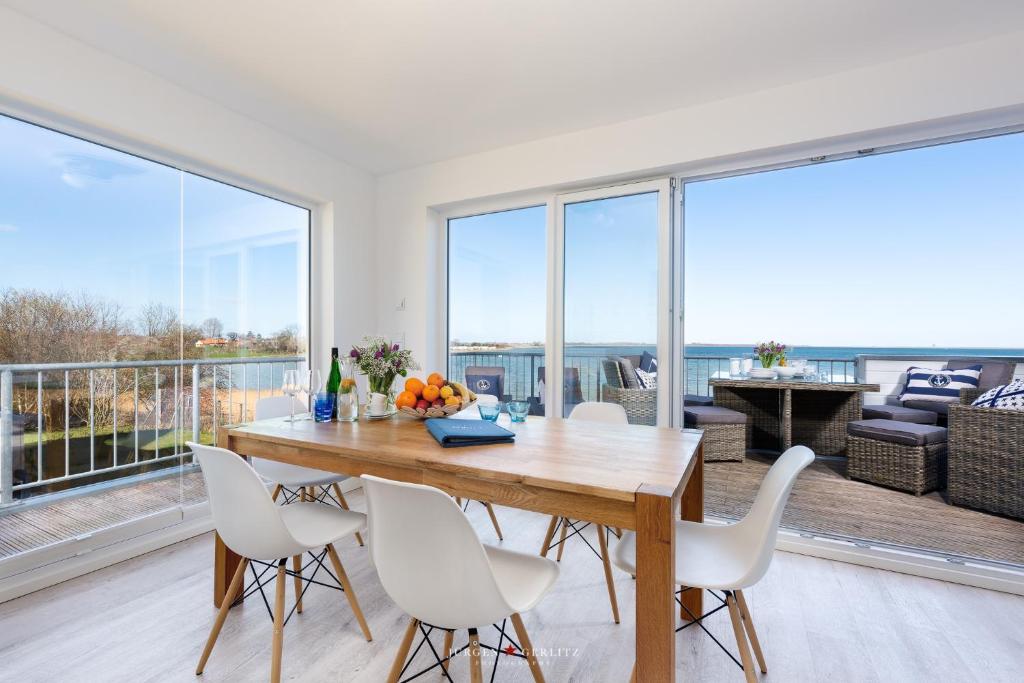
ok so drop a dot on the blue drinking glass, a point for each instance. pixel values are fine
(489, 411)
(323, 406)
(518, 410)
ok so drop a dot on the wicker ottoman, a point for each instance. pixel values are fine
(725, 431)
(901, 455)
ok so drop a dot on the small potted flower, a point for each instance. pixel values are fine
(770, 352)
(382, 361)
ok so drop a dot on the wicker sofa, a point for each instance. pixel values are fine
(986, 458)
(641, 405)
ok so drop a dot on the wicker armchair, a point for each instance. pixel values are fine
(641, 405)
(986, 458)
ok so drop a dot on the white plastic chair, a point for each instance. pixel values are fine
(731, 558)
(252, 526)
(434, 567)
(295, 481)
(592, 411)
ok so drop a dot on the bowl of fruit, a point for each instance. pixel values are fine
(437, 397)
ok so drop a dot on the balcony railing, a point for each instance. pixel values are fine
(521, 369)
(64, 425)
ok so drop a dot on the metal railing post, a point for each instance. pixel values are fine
(195, 402)
(7, 437)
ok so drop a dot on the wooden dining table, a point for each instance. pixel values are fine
(633, 477)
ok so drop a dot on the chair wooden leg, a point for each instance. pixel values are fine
(494, 520)
(222, 614)
(449, 637)
(403, 651)
(344, 506)
(349, 593)
(632, 676)
(524, 641)
(311, 494)
(476, 674)
(277, 492)
(302, 494)
(275, 656)
(741, 639)
(561, 539)
(548, 536)
(751, 633)
(606, 560)
(297, 570)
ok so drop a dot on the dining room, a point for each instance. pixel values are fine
(377, 342)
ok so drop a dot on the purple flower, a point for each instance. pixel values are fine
(354, 353)
(379, 354)
(394, 347)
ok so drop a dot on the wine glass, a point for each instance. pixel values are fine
(311, 381)
(291, 385)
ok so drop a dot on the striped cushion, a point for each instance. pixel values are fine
(1007, 397)
(940, 386)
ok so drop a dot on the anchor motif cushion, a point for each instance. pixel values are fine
(1006, 397)
(940, 386)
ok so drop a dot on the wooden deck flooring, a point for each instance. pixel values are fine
(824, 502)
(35, 526)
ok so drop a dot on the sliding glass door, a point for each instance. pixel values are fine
(613, 283)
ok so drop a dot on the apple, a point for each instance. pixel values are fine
(422, 404)
(438, 403)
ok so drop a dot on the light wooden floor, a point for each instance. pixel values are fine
(146, 620)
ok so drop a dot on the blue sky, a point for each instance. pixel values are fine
(915, 248)
(78, 217)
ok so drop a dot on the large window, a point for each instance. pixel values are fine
(864, 267)
(497, 294)
(140, 306)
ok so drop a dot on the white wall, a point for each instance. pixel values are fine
(52, 79)
(959, 89)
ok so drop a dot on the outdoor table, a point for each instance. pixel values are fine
(783, 412)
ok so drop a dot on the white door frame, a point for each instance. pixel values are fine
(667, 287)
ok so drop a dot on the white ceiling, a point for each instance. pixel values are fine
(390, 84)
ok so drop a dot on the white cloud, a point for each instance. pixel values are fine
(7, 227)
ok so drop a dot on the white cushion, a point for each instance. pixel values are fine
(647, 380)
(1006, 397)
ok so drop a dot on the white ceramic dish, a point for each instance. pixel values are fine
(786, 372)
(762, 373)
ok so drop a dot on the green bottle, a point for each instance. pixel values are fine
(334, 381)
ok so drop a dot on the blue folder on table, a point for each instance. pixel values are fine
(454, 433)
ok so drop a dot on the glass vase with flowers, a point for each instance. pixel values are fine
(381, 361)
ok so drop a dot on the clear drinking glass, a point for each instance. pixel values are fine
(518, 410)
(291, 386)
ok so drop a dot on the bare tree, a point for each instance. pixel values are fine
(158, 320)
(212, 327)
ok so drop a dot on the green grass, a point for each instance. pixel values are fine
(125, 438)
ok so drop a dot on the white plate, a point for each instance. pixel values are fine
(761, 373)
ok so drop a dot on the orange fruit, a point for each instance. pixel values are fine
(405, 399)
(447, 392)
(414, 386)
(431, 392)
(437, 379)
(452, 401)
